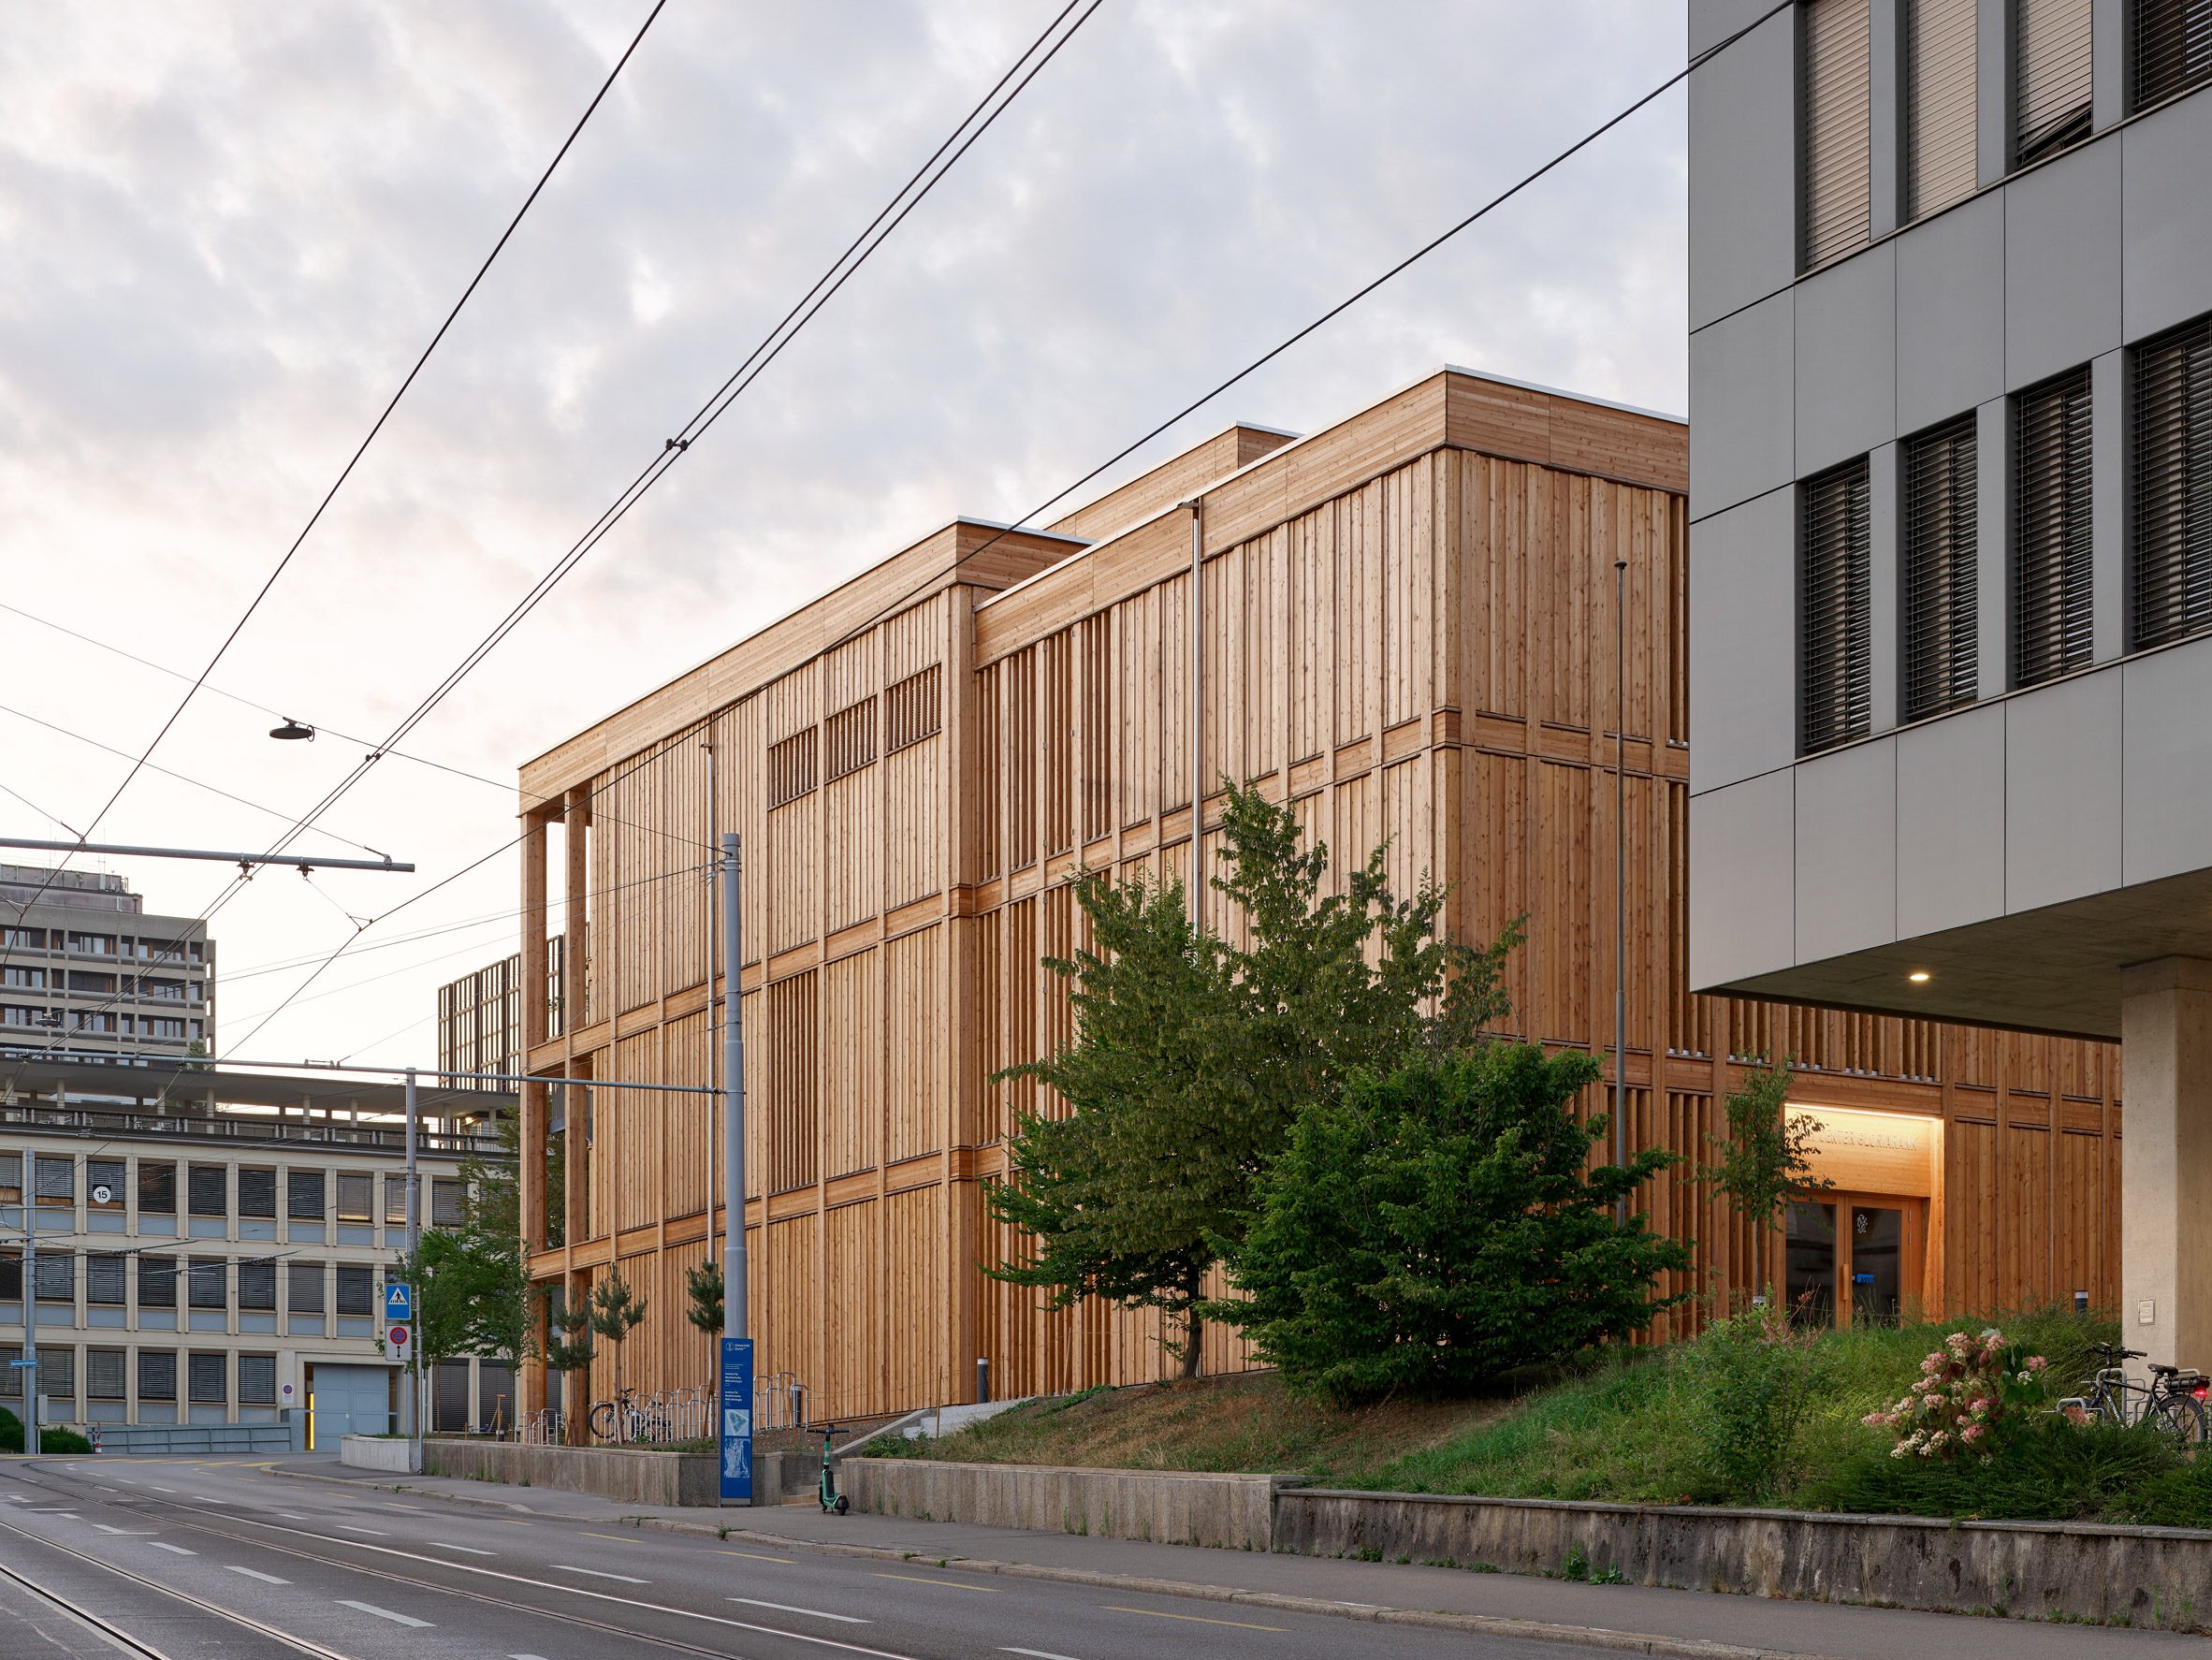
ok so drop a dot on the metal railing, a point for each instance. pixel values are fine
(540, 1429)
(109, 1123)
(778, 1403)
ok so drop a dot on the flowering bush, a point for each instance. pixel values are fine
(1971, 1394)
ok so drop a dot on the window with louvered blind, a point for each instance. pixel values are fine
(2171, 593)
(1835, 673)
(1836, 185)
(1938, 649)
(1939, 104)
(157, 1375)
(2051, 92)
(2051, 576)
(2173, 49)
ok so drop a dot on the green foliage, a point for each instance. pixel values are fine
(11, 1431)
(703, 1287)
(472, 1281)
(1753, 1381)
(1765, 1157)
(1443, 1226)
(569, 1343)
(614, 1311)
(1191, 1058)
(2052, 1470)
(51, 1437)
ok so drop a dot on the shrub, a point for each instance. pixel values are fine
(1436, 1229)
(2049, 1470)
(1753, 1378)
(1974, 1395)
(11, 1431)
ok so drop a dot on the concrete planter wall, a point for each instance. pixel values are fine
(1168, 1507)
(374, 1453)
(2139, 1575)
(634, 1475)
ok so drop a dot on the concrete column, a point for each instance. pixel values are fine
(2166, 1159)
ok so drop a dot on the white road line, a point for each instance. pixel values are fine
(370, 1607)
(526, 1657)
(289, 1517)
(178, 1548)
(108, 1489)
(127, 1532)
(254, 1572)
(568, 1567)
(464, 1549)
(1038, 1653)
(352, 1527)
(788, 1607)
(205, 1500)
(158, 1488)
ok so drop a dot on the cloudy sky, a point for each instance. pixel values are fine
(228, 228)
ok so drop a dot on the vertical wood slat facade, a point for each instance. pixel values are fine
(1406, 633)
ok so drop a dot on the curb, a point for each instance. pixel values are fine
(1587, 1636)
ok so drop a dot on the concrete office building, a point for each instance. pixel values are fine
(212, 1248)
(1951, 550)
(83, 967)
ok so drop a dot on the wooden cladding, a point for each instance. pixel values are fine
(2171, 585)
(1836, 174)
(1835, 670)
(1941, 647)
(2051, 543)
(2172, 42)
(913, 709)
(1939, 104)
(2051, 89)
(791, 768)
(849, 736)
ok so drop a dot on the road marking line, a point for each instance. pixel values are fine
(396, 1505)
(157, 1488)
(465, 1549)
(786, 1608)
(370, 1607)
(127, 1532)
(617, 1537)
(254, 1572)
(526, 1657)
(756, 1556)
(205, 1500)
(955, 1585)
(1038, 1653)
(569, 1567)
(353, 1527)
(180, 1549)
(289, 1517)
(100, 1489)
(1194, 1619)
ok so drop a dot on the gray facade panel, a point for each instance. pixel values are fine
(2167, 795)
(1884, 533)
(1846, 358)
(1742, 668)
(1739, 406)
(1993, 434)
(1740, 921)
(1846, 851)
(1950, 332)
(2062, 792)
(2062, 264)
(2108, 513)
(1744, 207)
(2167, 213)
(1712, 21)
(1950, 819)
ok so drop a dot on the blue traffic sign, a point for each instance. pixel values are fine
(21, 1365)
(736, 1420)
(399, 1303)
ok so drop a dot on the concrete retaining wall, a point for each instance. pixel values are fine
(1170, 1508)
(633, 1474)
(374, 1453)
(2142, 1576)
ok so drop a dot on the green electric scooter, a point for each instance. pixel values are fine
(832, 1502)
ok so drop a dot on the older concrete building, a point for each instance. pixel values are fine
(84, 968)
(1951, 548)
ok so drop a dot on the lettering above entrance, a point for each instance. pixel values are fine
(1886, 1153)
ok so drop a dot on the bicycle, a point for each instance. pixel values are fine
(623, 1420)
(832, 1502)
(2173, 1402)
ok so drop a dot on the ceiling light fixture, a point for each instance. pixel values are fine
(1919, 977)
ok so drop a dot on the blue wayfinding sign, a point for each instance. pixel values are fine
(736, 1420)
(399, 1303)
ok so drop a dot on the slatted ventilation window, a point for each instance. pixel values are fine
(304, 1287)
(256, 1379)
(11, 1380)
(1836, 189)
(306, 1195)
(209, 1380)
(1940, 643)
(103, 1185)
(1939, 104)
(157, 1190)
(2051, 577)
(56, 1275)
(207, 1282)
(2051, 92)
(357, 1196)
(1834, 670)
(158, 1282)
(354, 1289)
(157, 1375)
(11, 1279)
(104, 1373)
(256, 1192)
(2172, 582)
(2173, 49)
(913, 709)
(206, 1190)
(105, 1279)
(57, 1378)
(790, 767)
(850, 735)
(256, 1285)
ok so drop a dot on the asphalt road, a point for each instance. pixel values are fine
(215, 1561)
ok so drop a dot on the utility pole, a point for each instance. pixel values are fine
(413, 1420)
(31, 1319)
(733, 1280)
(1620, 876)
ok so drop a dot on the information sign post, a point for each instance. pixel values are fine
(735, 1414)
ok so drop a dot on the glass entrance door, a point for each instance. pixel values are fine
(1809, 1276)
(1852, 1257)
(1877, 1264)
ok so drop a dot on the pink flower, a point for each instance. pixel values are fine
(1973, 1432)
(2036, 1362)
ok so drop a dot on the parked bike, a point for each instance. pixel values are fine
(2173, 1402)
(623, 1419)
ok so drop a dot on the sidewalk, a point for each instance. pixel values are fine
(1635, 1618)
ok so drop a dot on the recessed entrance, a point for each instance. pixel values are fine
(1857, 1253)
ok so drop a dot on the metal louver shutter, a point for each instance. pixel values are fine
(2051, 94)
(2172, 40)
(207, 1189)
(1939, 104)
(1837, 187)
(1939, 662)
(256, 1192)
(105, 1279)
(104, 1375)
(2051, 577)
(157, 1375)
(1835, 675)
(2172, 597)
